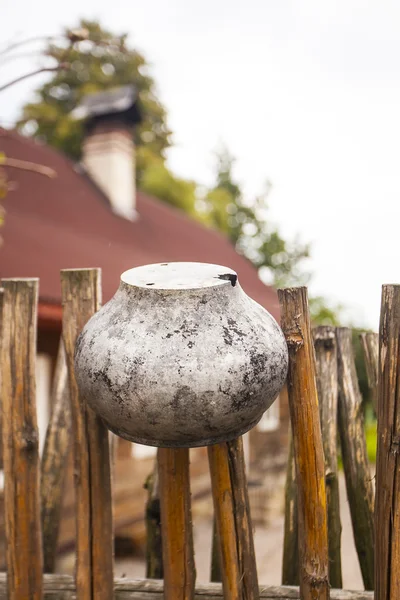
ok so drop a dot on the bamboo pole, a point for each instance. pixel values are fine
(54, 461)
(94, 565)
(387, 505)
(354, 454)
(290, 562)
(154, 562)
(20, 440)
(370, 345)
(327, 386)
(308, 450)
(176, 524)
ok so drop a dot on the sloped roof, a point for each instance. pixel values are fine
(66, 222)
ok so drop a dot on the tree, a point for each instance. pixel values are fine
(158, 181)
(250, 230)
(101, 61)
(89, 58)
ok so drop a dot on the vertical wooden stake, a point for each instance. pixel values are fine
(387, 505)
(308, 450)
(354, 454)
(225, 521)
(370, 345)
(290, 562)
(176, 524)
(244, 529)
(54, 460)
(215, 571)
(94, 566)
(327, 386)
(20, 440)
(233, 522)
(154, 562)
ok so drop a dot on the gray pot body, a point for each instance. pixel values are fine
(180, 364)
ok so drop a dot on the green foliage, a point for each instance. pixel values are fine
(158, 181)
(248, 227)
(3, 185)
(371, 439)
(101, 62)
(322, 313)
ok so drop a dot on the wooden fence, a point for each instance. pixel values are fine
(324, 401)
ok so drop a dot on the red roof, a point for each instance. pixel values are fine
(65, 222)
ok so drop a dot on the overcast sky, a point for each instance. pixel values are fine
(306, 94)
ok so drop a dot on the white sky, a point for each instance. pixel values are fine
(306, 94)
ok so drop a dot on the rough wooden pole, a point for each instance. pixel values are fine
(290, 562)
(308, 450)
(215, 572)
(20, 440)
(232, 521)
(370, 345)
(387, 505)
(327, 386)
(54, 460)
(176, 524)
(94, 566)
(243, 524)
(354, 455)
(154, 562)
(225, 521)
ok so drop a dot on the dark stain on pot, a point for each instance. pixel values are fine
(188, 329)
(241, 400)
(234, 326)
(190, 345)
(183, 398)
(228, 338)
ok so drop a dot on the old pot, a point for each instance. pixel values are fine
(180, 356)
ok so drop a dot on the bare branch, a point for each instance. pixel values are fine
(59, 67)
(26, 54)
(40, 38)
(26, 165)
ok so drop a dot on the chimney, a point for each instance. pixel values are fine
(108, 149)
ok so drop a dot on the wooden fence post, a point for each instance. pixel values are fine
(308, 450)
(370, 345)
(327, 386)
(20, 440)
(215, 571)
(176, 524)
(154, 561)
(225, 521)
(244, 529)
(232, 521)
(354, 454)
(290, 562)
(54, 460)
(94, 567)
(387, 504)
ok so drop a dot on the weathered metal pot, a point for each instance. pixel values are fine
(180, 356)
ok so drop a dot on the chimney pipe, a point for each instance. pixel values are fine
(108, 149)
(109, 158)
